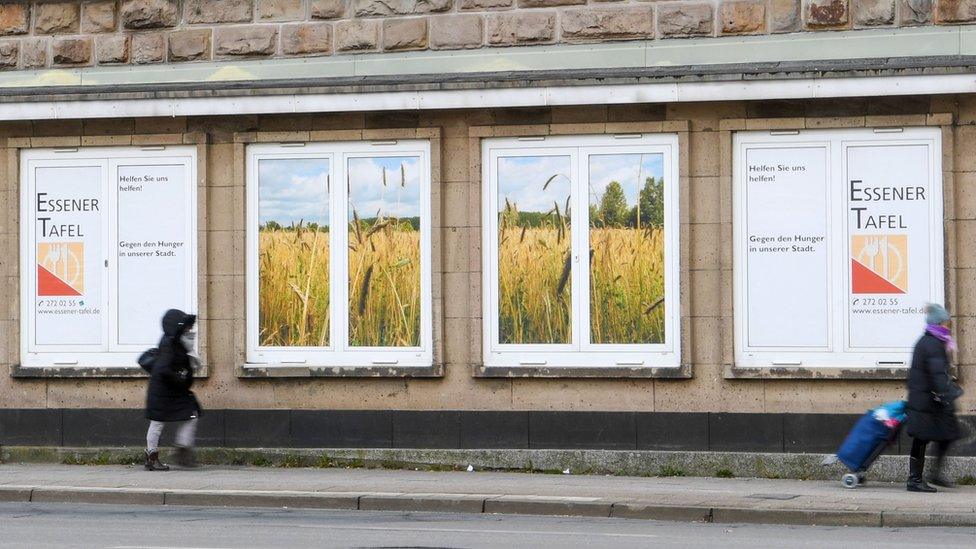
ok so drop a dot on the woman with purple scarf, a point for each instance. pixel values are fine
(931, 401)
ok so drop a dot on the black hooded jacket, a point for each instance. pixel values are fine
(169, 397)
(931, 415)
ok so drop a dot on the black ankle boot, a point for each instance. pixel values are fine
(185, 457)
(153, 463)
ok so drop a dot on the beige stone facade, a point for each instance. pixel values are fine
(709, 381)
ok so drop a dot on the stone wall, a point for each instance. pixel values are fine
(76, 33)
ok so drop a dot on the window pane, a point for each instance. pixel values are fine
(626, 209)
(384, 251)
(293, 241)
(534, 250)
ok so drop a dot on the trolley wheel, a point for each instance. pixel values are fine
(849, 480)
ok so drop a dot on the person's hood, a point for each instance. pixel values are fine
(176, 322)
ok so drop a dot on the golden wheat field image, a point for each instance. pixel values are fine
(383, 255)
(626, 249)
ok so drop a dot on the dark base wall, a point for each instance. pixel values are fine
(723, 432)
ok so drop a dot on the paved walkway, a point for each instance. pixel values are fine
(672, 498)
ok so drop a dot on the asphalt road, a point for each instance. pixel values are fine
(43, 526)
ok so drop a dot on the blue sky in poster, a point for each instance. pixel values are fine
(400, 197)
(630, 170)
(292, 190)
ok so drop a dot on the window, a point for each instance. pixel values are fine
(580, 251)
(838, 245)
(108, 244)
(358, 295)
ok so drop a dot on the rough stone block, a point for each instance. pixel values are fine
(112, 49)
(189, 45)
(827, 14)
(916, 12)
(608, 23)
(357, 35)
(955, 11)
(405, 34)
(281, 10)
(681, 19)
(149, 14)
(33, 53)
(873, 13)
(306, 38)
(14, 19)
(371, 8)
(9, 53)
(148, 48)
(548, 3)
(56, 18)
(328, 9)
(72, 51)
(246, 41)
(743, 17)
(456, 32)
(784, 15)
(507, 29)
(480, 5)
(98, 17)
(218, 11)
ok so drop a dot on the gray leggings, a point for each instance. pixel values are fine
(185, 433)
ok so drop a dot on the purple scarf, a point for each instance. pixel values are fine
(941, 333)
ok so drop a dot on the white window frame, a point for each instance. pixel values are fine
(108, 160)
(339, 353)
(580, 353)
(838, 353)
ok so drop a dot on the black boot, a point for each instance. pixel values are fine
(915, 481)
(153, 463)
(937, 476)
(185, 457)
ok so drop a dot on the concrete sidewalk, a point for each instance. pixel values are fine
(734, 500)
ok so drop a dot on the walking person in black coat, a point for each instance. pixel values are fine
(931, 396)
(169, 398)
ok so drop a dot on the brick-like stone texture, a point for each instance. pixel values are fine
(607, 23)
(452, 32)
(327, 9)
(685, 19)
(955, 11)
(371, 8)
(548, 3)
(150, 14)
(281, 10)
(148, 48)
(9, 53)
(915, 12)
(33, 53)
(189, 45)
(72, 50)
(873, 13)
(405, 34)
(98, 17)
(826, 14)
(217, 11)
(112, 49)
(56, 18)
(246, 41)
(306, 38)
(357, 35)
(14, 19)
(506, 29)
(743, 17)
(479, 5)
(784, 15)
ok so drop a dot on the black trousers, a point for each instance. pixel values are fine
(917, 455)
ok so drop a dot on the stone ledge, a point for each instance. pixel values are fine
(584, 372)
(88, 372)
(820, 372)
(266, 371)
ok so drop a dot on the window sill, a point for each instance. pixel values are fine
(89, 372)
(262, 371)
(583, 372)
(819, 372)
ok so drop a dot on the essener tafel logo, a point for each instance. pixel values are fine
(61, 269)
(879, 264)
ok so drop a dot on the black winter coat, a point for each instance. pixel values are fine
(169, 397)
(928, 378)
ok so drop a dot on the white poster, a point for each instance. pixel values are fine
(889, 232)
(786, 246)
(153, 248)
(67, 206)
